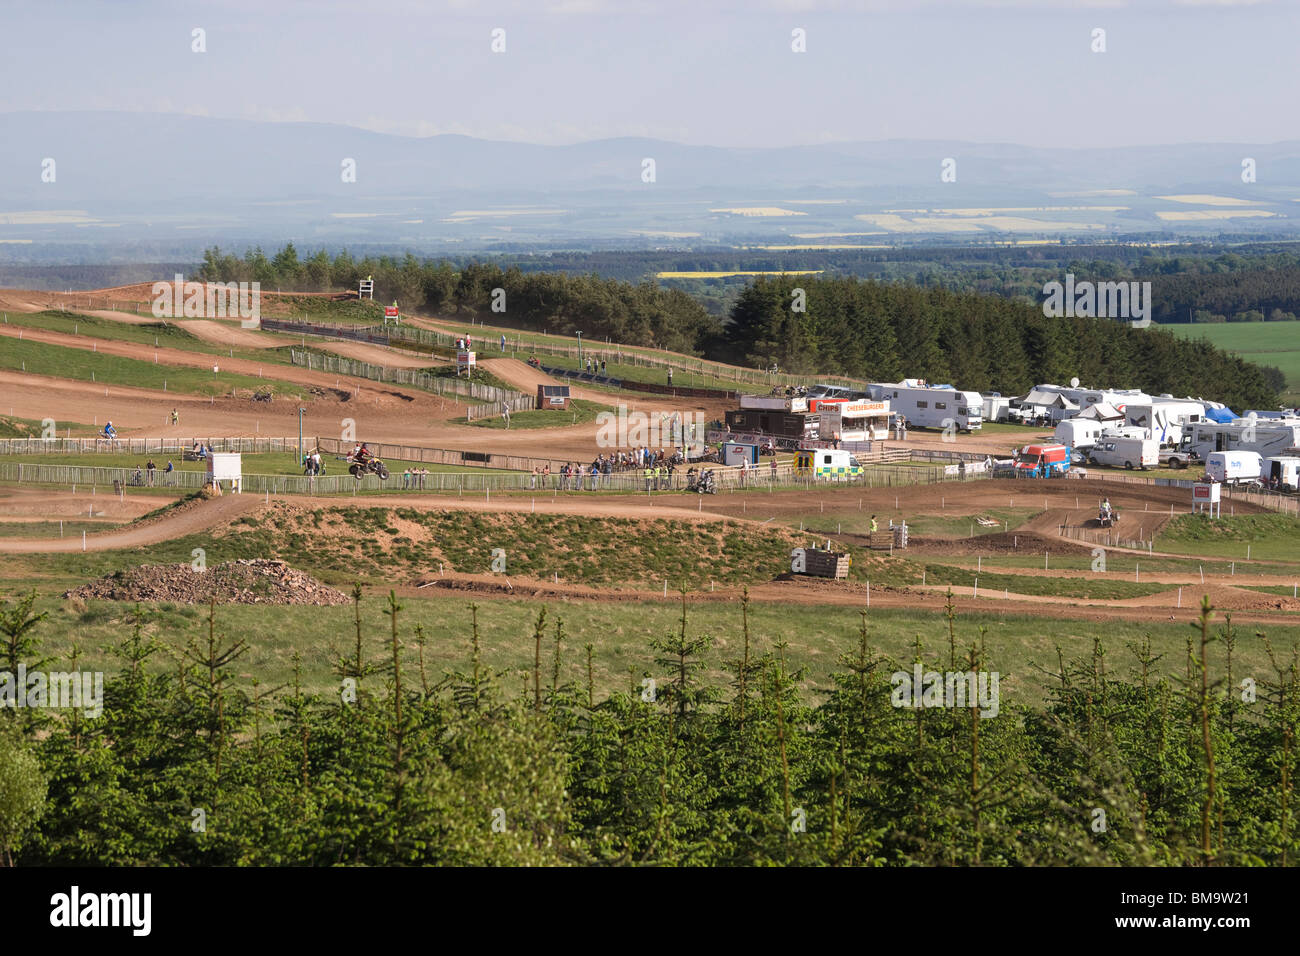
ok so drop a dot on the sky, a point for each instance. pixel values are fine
(691, 71)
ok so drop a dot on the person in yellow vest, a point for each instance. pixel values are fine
(874, 528)
(649, 477)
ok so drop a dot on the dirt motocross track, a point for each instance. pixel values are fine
(398, 414)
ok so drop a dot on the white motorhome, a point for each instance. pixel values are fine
(1131, 453)
(1284, 469)
(931, 406)
(1231, 467)
(1268, 437)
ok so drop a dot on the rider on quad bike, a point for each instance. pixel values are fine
(362, 461)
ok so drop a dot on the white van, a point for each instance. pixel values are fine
(1231, 467)
(1132, 453)
(1286, 469)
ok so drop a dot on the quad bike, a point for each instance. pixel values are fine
(371, 466)
(1107, 519)
(703, 483)
(535, 362)
(262, 396)
(769, 450)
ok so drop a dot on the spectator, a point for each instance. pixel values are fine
(546, 474)
(649, 475)
(424, 473)
(150, 468)
(670, 376)
(503, 341)
(961, 469)
(532, 479)
(874, 528)
(602, 366)
(773, 470)
(176, 419)
(406, 477)
(168, 470)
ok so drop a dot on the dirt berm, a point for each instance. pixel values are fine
(256, 581)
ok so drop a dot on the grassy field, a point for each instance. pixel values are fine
(55, 360)
(11, 427)
(579, 412)
(1019, 646)
(1269, 537)
(1268, 343)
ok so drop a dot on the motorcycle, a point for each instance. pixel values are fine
(372, 466)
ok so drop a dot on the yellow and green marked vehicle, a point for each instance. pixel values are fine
(828, 464)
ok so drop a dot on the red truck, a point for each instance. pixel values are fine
(1042, 461)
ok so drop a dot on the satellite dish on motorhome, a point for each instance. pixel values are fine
(1074, 383)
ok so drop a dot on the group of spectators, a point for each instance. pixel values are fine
(594, 368)
(655, 466)
(414, 477)
(145, 474)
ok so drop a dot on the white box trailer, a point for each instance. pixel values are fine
(1231, 467)
(1129, 453)
(932, 407)
(1285, 469)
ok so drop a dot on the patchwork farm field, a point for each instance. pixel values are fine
(1268, 343)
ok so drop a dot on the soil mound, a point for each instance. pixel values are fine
(256, 581)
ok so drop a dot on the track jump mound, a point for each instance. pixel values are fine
(256, 581)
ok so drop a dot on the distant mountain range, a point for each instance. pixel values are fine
(188, 179)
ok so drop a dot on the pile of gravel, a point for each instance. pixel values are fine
(256, 581)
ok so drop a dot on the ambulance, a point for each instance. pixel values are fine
(828, 464)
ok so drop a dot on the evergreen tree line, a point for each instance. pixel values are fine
(191, 765)
(859, 328)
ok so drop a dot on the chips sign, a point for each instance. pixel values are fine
(390, 312)
(1207, 492)
(465, 359)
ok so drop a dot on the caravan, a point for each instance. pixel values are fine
(1080, 433)
(939, 406)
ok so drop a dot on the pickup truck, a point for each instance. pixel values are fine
(1178, 457)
